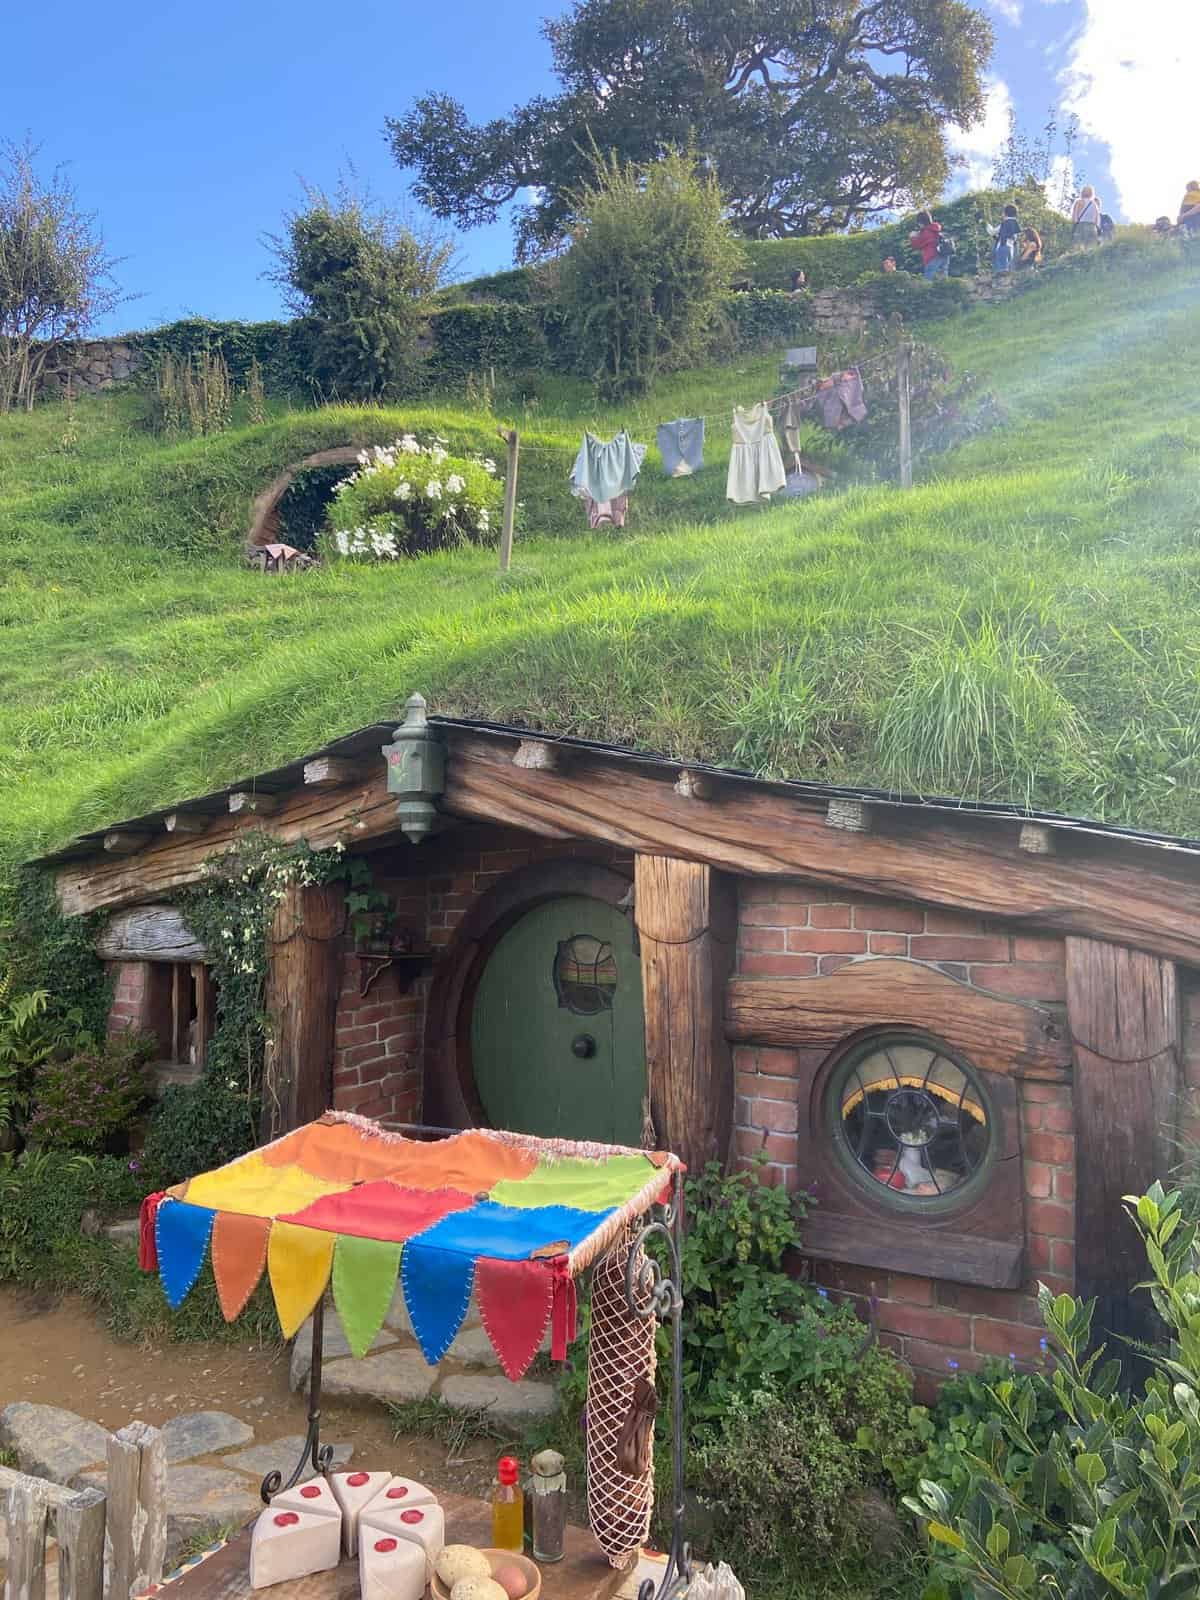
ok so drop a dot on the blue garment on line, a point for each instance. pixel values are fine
(606, 468)
(681, 444)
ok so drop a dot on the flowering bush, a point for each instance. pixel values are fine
(408, 498)
(82, 1101)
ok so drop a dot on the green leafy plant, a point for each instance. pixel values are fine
(86, 1098)
(408, 498)
(1124, 1467)
(43, 1196)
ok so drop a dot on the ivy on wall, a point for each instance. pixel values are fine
(40, 948)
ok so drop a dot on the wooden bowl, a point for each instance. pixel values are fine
(501, 1558)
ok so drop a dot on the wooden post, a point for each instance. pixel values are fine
(302, 990)
(513, 440)
(135, 1531)
(27, 1511)
(904, 396)
(1124, 1014)
(687, 925)
(79, 1529)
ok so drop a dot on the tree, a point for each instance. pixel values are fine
(359, 278)
(649, 263)
(55, 278)
(814, 114)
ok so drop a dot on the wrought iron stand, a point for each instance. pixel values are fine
(651, 1292)
(321, 1456)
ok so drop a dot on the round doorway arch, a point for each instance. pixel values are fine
(535, 1014)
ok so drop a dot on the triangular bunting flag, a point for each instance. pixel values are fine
(298, 1261)
(515, 1299)
(365, 1272)
(181, 1237)
(437, 1292)
(239, 1254)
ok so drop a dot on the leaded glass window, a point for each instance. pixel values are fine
(585, 975)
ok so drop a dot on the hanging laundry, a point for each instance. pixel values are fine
(607, 513)
(791, 411)
(681, 444)
(841, 400)
(606, 468)
(755, 465)
(800, 482)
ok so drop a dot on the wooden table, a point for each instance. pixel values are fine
(583, 1573)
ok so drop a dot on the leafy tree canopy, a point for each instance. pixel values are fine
(814, 115)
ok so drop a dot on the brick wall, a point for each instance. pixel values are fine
(131, 993)
(790, 929)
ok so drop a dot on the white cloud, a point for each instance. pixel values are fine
(1131, 80)
(1060, 185)
(1010, 10)
(975, 149)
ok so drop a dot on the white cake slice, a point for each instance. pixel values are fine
(354, 1491)
(398, 1493)
(390, 1568)
(315, 1497)
(423, 1525)
(287, 1545)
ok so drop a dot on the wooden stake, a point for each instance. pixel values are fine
(513, 440)
(904, 396)
(135, 1534)
(79, 1529)
(27, 1508)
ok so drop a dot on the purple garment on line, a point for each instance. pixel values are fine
(842, 402)
(607, 513)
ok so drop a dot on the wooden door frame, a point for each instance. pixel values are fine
(451, 1098)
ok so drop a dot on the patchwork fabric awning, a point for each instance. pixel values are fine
(343, 1201)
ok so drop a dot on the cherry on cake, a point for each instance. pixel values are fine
(390, 1568)
(354, 1491)
(292, 1544)
(399, 1493)
(423, 1525)
(315, 1496)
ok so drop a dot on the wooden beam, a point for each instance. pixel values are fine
(242, 803)
(1106, 888)
(190, 822)
(1036, 839)
(135, 1533)
(687, 925)
(536, 755)
(925, 1251)
(303, 979)
(149, 933)
(125, 843)
(851, 816)
(691, 785)
(996, 1033)
(1124, 1012)
(330, 772)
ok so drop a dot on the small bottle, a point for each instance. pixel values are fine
(549, 1497)
(508, 1507)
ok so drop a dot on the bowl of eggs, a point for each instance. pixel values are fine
(464, 1573)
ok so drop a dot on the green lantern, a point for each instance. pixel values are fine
(416, 771)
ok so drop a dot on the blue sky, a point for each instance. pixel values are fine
(189, 128)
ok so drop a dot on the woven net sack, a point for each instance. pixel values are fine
(622, 1351)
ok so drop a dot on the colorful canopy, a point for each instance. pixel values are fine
(512, 1217)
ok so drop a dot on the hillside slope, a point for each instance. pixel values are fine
(1023, 625)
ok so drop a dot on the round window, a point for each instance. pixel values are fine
(585, 975)
(910, 1121)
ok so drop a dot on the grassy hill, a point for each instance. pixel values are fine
(1023, 625)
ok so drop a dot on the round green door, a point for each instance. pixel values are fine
(558, 1042)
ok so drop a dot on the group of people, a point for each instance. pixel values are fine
(1013, 245)
(1188, 220)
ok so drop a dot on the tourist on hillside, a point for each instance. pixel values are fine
(1189, 211)
(1085, 217)
(799, 280)
(931, 245)
(1030, 253)
(1005, 247)
(889, 264)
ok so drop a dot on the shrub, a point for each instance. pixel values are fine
(43, 1196)
(408, 498)
(646, 274)
(83, 1100)
(1123, 1466)
(197, 1127)
(911, 298)
(189, 397)
(766, 316)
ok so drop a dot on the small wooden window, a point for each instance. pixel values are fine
(182, 1011)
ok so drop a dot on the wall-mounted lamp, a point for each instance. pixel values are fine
(416, 771)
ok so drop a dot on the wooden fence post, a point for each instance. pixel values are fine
(79, 1529)
(904, 396)
(27, 1511)
(135, 1533)
(513, 440)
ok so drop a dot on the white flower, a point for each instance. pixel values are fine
(483, 521)
(409, 445)
(342, 540)
(433, 489)
(403, 490)
(488, 465)
(437, 455)
(362, 458)
(455, 484)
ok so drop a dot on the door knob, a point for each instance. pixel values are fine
(583, 1045)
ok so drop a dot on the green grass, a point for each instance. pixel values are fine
(1020, 626)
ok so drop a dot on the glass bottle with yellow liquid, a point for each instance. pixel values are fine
(508, 1507)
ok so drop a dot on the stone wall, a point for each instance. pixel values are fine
(842, 313)
(91, 365)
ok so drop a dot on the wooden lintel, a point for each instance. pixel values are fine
(691, 785)
(122, 843)
(995, 1033)
(851, 816)
(923, 1251)
(187, 822)
(243, 802)
(330, 771)
(537, 755)
(149, 933)
(1036, 839)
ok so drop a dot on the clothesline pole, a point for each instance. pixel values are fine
(513, 440)
(904, 395)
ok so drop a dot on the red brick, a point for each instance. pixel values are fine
(346, 1077)
(916, 1291)
(1064, 1185)
(956, 922)
(776, 914)
(832, 916)
(347, 1038)
(1058, 1119)
(850, 1279)
(923, 1322)
(380, 1107)
(778, 966)
(400, 1028)
(1048, 1217)
(827, 943)
(1056, 1148)
(1031, 1117)
(1057, 1284)
(887, 944)
(776, 1063)
(1062, 1257)
(404, 1044)
(1008, 1305)
(924, 947)
(778, 1147)
(359, 1054)
(745, 1058)
(1039, 1180)
(1042, 1091)
(741, 1112)
(1007, 1338)
(1037, 1253)
(936, 1358)
(780, 1176)
(762, 939)
(1037, 947)
(1027, 982)
(776, 1115)
(746, 1084)
(503, 860)
(890, 918)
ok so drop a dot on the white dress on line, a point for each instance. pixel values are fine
(755, 464)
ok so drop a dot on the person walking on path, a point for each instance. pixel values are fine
(1189, 210)
(1085, 217)
(1006, 241)
(929, 245)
